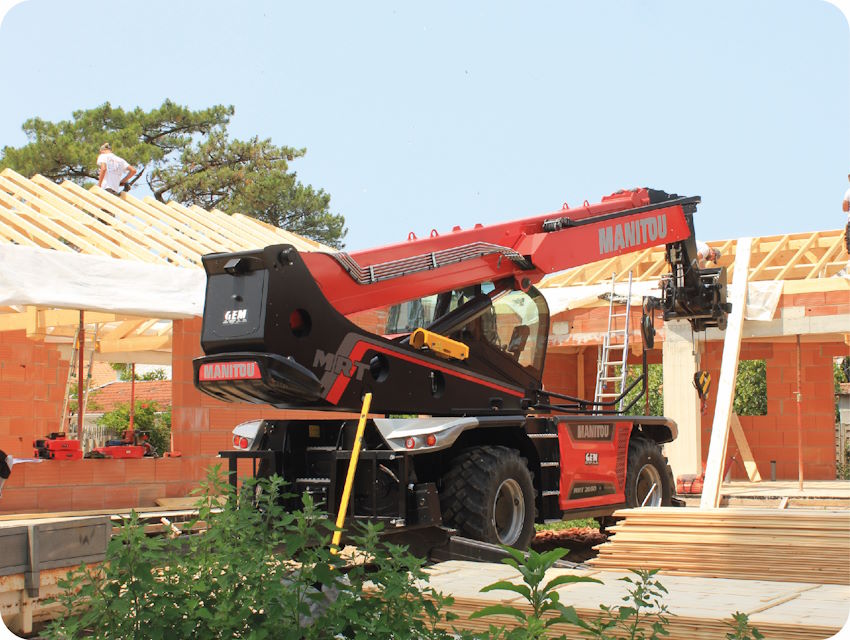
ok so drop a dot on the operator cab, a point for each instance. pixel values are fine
(505, 329)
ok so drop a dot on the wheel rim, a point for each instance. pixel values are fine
(648, 480)
(509, 511)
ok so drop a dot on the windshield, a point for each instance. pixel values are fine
(512, 325)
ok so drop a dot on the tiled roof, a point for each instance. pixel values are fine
(109, 396)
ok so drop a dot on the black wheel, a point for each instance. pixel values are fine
(649, 480)
(488, 495)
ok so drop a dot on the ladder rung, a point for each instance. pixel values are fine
(608, 395)
(611, 378)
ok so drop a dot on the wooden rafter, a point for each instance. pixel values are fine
(67, 218)
(789, 257)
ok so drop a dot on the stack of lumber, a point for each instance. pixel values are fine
(699, 608)
(799, 545)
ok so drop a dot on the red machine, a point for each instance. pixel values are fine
(464, 344)
(133, 444)
(57, 446)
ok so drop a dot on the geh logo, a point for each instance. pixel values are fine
(236, 316)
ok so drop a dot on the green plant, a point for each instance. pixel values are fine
(546, 608)
(655, 379)
(590, 523)
(260, 570)
(644, 618)
(741, 629)
(147, 417)
(751, 388)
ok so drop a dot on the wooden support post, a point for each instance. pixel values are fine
(681, 403)
(81, 394)
(728, 376)
(580, 373)
(744, 447)
(799, 417)
(132, 395)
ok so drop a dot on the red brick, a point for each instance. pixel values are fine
(109, 472)
(54, 499)
(19, 500)
(122, 496)
(148, 494)
(89, 497)
(169, 469)
(138, 471)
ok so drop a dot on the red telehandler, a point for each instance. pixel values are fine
(470, 445)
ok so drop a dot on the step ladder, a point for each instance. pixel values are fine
(612, 368)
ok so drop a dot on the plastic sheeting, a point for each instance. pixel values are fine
(53, 279)
(762, 297)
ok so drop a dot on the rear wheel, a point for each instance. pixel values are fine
(488, 495)
(649, 481)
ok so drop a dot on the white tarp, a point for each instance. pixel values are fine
(762, 297)
(48, 278)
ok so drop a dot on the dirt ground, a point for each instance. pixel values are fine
(579, 540)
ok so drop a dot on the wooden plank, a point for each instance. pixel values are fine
(796, 257)
(202, 241)
(95, 227)
(136, 343)
(728, 375)
(163, 246)
(768, 259)
(211, 227)
(744, 447)
(836, 246)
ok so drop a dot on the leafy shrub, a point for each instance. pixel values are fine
(751, 388)
(147, 417)
(258, 571)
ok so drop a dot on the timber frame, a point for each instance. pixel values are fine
(69, 219)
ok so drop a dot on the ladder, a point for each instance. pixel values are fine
(612, 368)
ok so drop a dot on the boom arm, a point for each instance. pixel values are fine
(525, 249)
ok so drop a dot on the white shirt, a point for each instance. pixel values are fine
(847, 196)
(116, 168)
(702, 249)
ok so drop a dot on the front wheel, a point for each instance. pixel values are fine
(649, 481)
(488, 495)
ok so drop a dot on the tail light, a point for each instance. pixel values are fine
(246, 436)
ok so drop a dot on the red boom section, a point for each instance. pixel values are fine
(525, 249)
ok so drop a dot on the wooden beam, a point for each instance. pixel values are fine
(744, 447)
(137, 343)
(728, 375)
(836, 246)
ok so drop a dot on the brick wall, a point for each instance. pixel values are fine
(32, 390)
(774, 436)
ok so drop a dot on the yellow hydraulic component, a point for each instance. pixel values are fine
(349, 478)
(441, 345)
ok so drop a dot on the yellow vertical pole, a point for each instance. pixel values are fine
(349, 478)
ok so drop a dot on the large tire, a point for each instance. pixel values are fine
(647, 466)
(488, 495)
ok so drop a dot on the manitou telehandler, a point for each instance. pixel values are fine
(469, 442)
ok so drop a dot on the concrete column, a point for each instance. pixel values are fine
(681, 402)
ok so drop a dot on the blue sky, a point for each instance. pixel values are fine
(429, 115)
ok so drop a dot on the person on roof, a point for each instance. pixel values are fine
(706, 254)
(111, 169)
